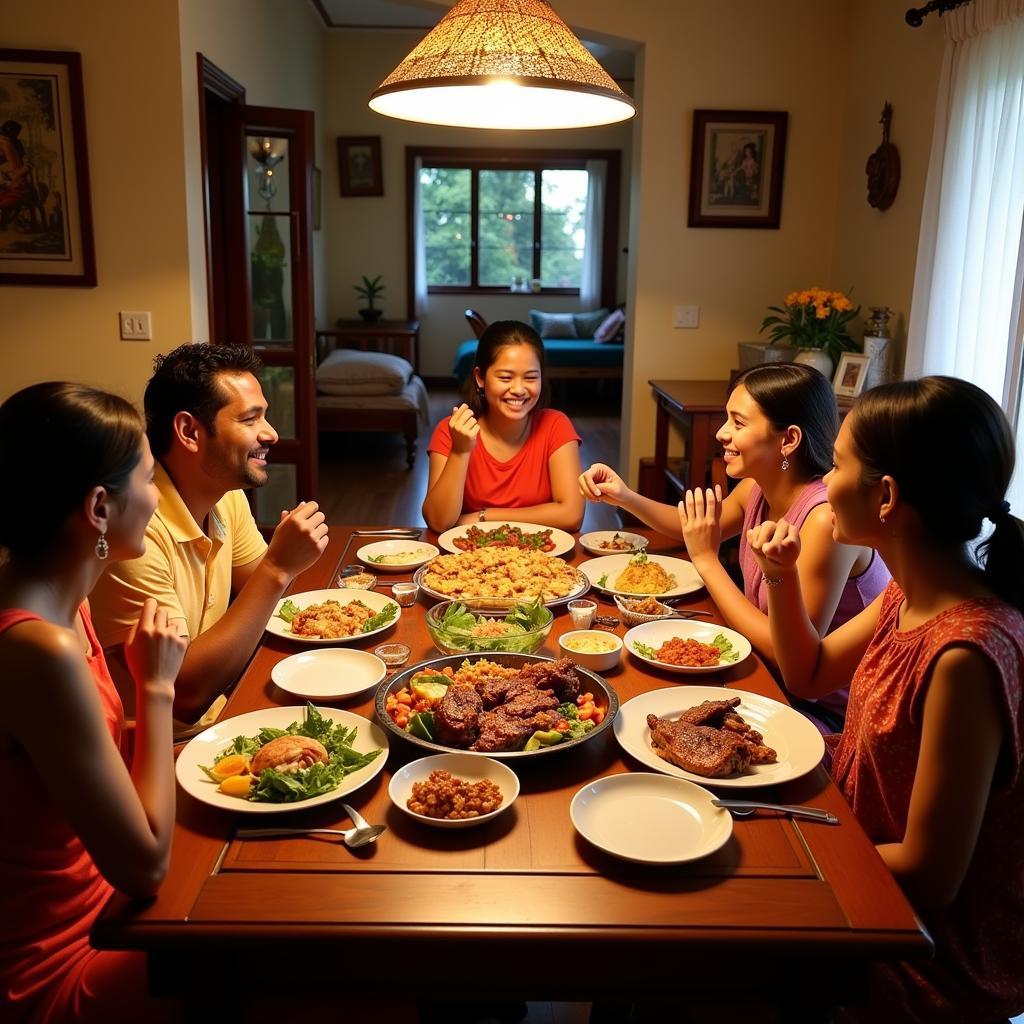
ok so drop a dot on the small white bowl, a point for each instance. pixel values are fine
(416, 553)
(329, 673)
(596, 661)
(469, 767)
(592, 542)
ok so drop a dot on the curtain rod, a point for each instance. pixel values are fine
(916, 15)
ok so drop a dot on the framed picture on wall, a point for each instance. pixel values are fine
(45, 212)
(736, 164)
(850, 374)
(359, 165)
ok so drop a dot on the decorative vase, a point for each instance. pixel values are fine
(369, 315)
(878, 347)
(817, 358)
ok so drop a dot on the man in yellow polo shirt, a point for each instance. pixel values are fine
(205, 560)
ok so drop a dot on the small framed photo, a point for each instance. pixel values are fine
(359, 165)
(850, 374)
(736, 163)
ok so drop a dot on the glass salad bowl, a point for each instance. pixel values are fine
(458, 628)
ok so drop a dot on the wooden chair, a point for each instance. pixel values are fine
(476, 321)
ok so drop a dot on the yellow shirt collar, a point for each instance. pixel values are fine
(174, 512)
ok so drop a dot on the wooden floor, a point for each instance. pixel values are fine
(364, 478)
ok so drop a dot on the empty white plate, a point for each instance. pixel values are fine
(329, 673)
(650, 819)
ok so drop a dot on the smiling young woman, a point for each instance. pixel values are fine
(781, 420)
(501, 455)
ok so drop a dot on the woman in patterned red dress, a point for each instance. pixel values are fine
(78, 821)
(931, 756)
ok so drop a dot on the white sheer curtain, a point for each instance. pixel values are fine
(419, 250)
(593, 222)
(965, 288)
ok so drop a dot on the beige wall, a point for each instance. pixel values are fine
(876, 251)
(273, 48)
(130, 61)
(367, 235)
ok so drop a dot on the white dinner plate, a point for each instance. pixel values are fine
(378, 602)
(650, 819)
(798, 744)
(654, 634)
(416, 553)
(592, 542)
(564, 542)
(208, 744)
(469, 768)
(329, 673)
(608, 568)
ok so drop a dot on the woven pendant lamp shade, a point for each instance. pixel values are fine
(502, 64)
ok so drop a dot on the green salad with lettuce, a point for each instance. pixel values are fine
(459, 629)
(272, 786)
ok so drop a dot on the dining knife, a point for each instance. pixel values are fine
(404, 532)
(812, 813)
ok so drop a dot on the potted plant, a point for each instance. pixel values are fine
(815, 322)
(370, 290)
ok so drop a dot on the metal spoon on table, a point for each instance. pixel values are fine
(360, 835)
(745, 807)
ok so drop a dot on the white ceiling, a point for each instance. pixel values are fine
(618, 62)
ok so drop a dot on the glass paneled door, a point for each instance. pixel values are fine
(270, 224)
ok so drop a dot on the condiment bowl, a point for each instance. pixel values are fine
(468, 767)
(596, 649)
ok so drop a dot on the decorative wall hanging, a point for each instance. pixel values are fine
(883, 167)
(45, 213)
(736, 165)
(359, 165)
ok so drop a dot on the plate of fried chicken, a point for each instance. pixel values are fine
(506, 706)
(719, 737)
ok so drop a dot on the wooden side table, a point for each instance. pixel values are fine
(399, 337)
(702, 403)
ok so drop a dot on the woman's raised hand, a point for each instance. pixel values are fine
(602, 483)
(154, 651)
(464, 429)
(776, 546)
(700, 517)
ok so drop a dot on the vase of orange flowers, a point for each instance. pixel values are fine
(816, 322)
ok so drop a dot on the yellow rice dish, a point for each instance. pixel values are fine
(644, 577)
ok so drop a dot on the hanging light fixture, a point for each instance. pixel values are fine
(502, 64)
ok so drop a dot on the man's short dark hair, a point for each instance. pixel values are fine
(185, 380)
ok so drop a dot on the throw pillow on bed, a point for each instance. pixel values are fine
(349, 371)
(553, 325)
(588, 323)
(611, 328)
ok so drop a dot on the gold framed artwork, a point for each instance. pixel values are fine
(45, 211)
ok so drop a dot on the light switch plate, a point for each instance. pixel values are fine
(136, 326)
(686, 316)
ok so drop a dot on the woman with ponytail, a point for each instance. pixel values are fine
(931, 756)
(79, 821)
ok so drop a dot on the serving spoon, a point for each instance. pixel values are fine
(361, 834)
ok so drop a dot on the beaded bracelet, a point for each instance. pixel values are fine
(772, 581)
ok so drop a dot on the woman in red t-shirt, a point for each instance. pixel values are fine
(501, 456)
(932, 756)
(79, 822)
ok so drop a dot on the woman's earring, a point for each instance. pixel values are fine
(480, 392)
(785, 462)
(102, 547)
(881, 519)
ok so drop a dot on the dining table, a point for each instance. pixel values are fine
(788, 912)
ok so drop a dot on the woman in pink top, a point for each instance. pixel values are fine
(931, 757)
(777, 438)
(501, 455)
(80, 492)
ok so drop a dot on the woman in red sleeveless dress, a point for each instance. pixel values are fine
(78, 822)
(932, 756)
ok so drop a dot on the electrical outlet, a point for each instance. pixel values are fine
(136, 326)
(686, 316)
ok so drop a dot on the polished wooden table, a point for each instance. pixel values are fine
(701, 404)
(521, 906)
